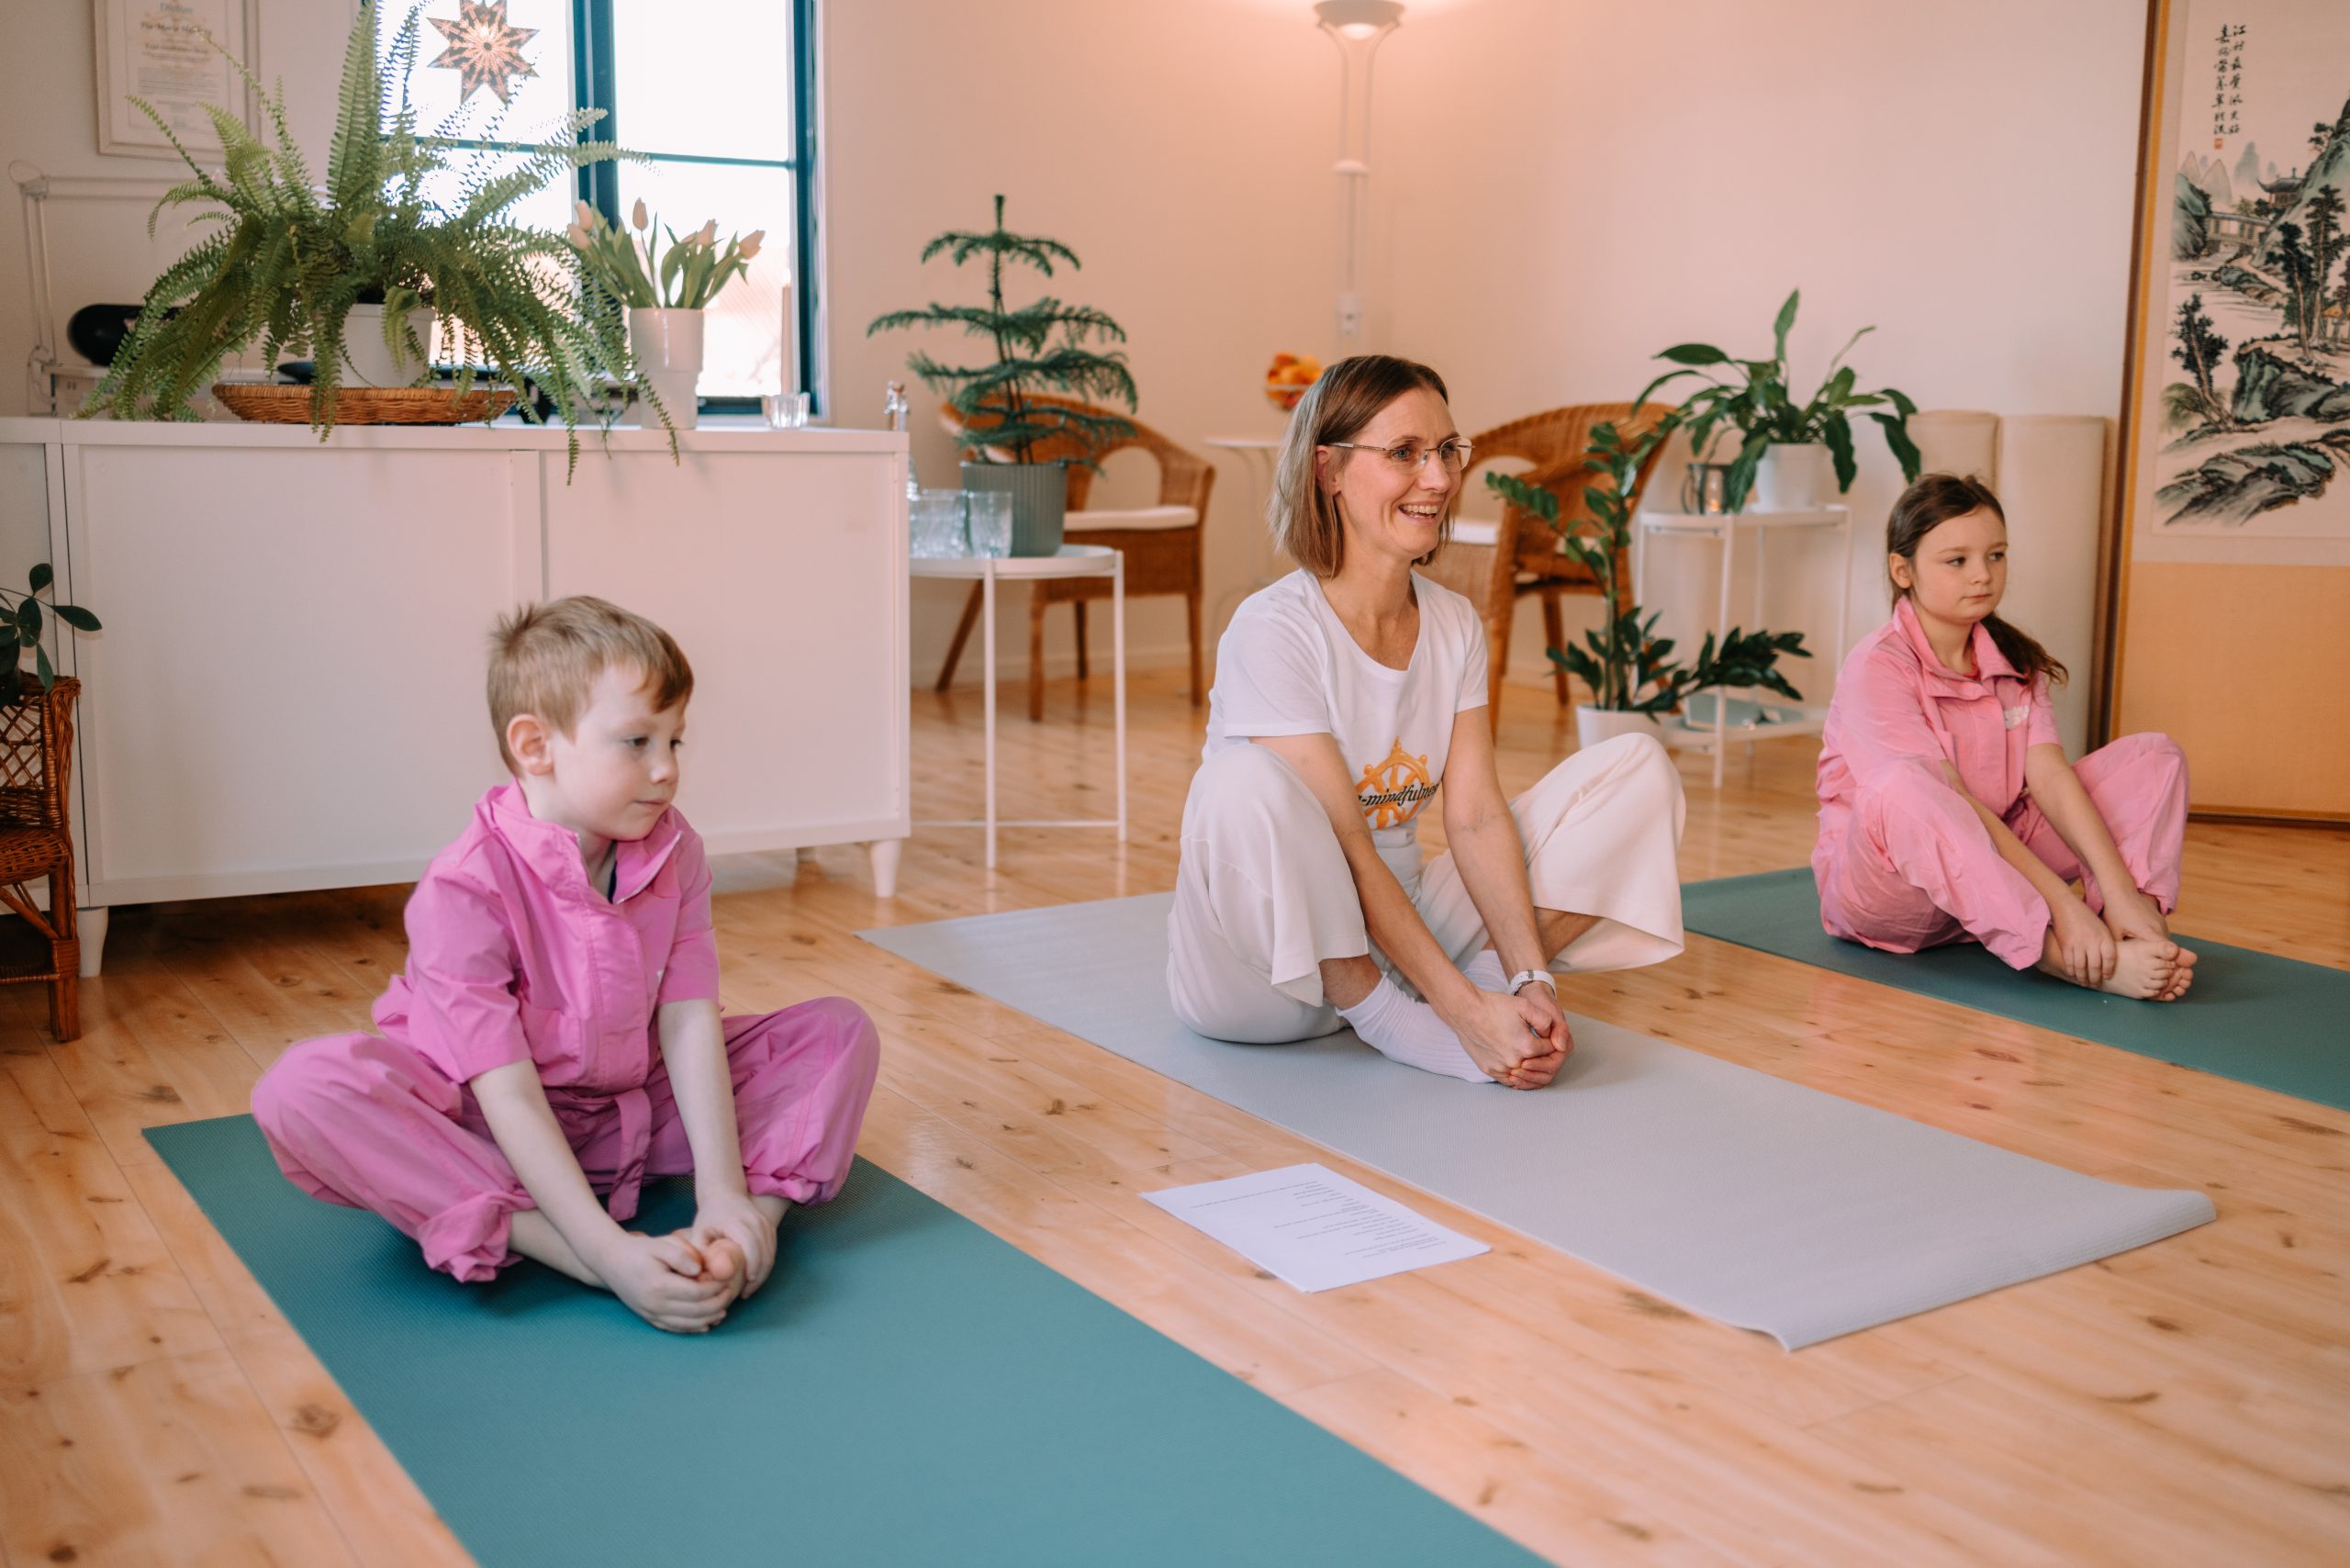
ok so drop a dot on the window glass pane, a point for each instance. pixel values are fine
(538, 102)
(548, 207)
(712, 78)
(743, 334)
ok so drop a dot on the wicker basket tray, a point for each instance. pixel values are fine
(270, 405)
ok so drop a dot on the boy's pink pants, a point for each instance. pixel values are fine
(1915, 867)
(369, 1123)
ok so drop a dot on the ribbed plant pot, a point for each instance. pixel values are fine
(368, 362)
(1594, 726)
(1793, 477)
(667, 346)
(1039, 494)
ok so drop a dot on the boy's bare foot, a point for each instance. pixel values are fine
(2144, 969)
(721, 1260)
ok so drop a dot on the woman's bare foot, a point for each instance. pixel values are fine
(2143, 969)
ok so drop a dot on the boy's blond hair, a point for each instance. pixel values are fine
(544, 660)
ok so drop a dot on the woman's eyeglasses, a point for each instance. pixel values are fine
(1411, 456)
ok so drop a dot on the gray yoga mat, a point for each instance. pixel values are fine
(2251, 1016)
(1753, 1201)
(907, 1390)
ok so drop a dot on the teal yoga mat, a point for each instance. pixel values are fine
(2251, 1016)
(907, 1390)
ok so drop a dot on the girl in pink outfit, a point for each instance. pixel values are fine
(1947, 810)
(557, 1037)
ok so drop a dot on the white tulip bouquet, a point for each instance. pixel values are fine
(690, 270)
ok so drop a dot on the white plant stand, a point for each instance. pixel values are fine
(1261, 455)
(1794, 719)
(1073, 561)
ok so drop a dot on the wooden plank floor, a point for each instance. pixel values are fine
(2188, 1403)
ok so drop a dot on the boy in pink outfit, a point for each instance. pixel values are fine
(556, 1039)
(1947, 808)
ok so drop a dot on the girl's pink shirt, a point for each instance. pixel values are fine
(512, 955)
(1895, 700)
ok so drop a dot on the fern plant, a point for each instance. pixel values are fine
(996, 400)
(1629, 668)
(287, 259)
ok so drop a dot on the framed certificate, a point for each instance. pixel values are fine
(163, 51)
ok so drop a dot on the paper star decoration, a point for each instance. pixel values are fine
(484, 49)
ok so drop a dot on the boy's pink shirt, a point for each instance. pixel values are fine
(1894, 700)
(512, 955)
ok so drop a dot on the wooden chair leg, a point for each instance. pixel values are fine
(1036, 658)
(962, 635)
(1079, 605)
(65, 990)
(1555, 635)
(1191, 610)
(1496, 661)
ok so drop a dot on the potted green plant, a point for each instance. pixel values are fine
(1784, 442)
(1632, 676)
(289, 264)
(998, 402)
(665, 298)
(21, 625)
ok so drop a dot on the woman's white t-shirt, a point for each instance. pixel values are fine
(1287, 666)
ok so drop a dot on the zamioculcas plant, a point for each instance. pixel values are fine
(1628, 667)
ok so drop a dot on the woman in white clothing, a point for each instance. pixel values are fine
(1345, 695)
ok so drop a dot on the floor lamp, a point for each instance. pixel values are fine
(1356, 27)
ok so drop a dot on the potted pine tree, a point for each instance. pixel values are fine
(1007, 405)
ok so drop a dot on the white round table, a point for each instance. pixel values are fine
(1260, 453)
(1073, 561)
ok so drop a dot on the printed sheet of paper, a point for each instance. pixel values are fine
(1313, 1227)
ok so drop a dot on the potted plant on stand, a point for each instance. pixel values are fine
(1629, 669)
(664, 300)
(1005, 406)
(289, 264)
(1785, 444)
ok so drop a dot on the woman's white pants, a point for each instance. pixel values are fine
(1264, 893)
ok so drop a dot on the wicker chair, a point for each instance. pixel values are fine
(1525, 556)
(35, 773)
(1160, 560)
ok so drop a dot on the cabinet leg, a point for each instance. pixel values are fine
(886, 852)
(90, 923)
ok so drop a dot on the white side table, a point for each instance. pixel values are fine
(1074, 561)
(1262, 455)
(1730, 527)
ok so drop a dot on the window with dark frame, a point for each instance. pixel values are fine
(719, 97)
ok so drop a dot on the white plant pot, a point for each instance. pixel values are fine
(366, 362)
(668, 345)
(1594, 726)
(1792, 477)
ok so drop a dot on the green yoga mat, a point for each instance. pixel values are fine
(2251, 1016)
(907, 1389)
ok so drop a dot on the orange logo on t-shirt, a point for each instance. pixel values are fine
(1394, 791)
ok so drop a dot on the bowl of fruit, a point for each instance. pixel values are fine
(1289, 377)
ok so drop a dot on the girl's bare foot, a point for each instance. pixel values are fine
(2144, 969)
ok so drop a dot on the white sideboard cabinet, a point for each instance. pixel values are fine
(288, 692)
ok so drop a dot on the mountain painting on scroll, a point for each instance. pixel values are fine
(2246, 411)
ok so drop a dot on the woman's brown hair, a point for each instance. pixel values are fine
(1925, 506)
(1342, 400)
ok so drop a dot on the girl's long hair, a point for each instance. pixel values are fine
(1925, 506)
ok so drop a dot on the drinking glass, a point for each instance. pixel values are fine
(990, 522)
(785, 410)
(935, 519)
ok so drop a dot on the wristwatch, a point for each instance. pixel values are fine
(1524, 978)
